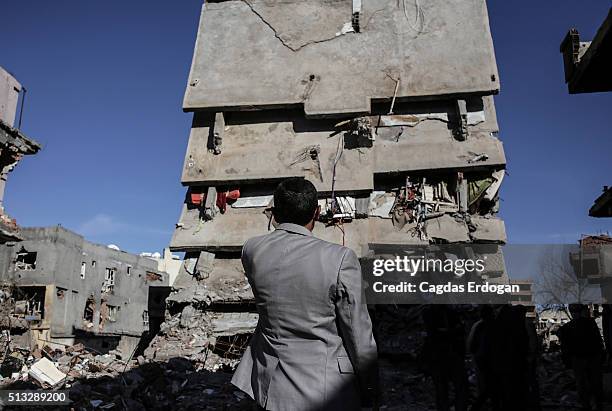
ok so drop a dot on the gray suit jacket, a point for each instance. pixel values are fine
(313, 348)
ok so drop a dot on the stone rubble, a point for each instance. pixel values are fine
(187, 366)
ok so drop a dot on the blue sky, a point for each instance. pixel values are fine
(105, 82)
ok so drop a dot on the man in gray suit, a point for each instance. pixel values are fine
(313, 348)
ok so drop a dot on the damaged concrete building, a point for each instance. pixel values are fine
(387, 107)
(588, 64)
(13, 146)
(66, 290)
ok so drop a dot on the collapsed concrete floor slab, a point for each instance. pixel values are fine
(228, 232)
(261, 146)
(314, 54)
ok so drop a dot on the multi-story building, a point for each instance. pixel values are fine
(13, 146)
(387, 107)
(67, 290)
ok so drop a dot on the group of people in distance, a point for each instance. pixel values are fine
(505, 350)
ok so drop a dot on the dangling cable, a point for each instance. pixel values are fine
(419, 18)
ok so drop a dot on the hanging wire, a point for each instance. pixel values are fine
(339, 151)
(340, 225)
(419, 18)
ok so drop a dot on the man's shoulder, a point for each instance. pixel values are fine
(254, 241)
(335, 250)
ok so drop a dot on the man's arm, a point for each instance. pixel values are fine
(355, 325)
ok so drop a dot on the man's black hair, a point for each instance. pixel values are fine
(295, 201)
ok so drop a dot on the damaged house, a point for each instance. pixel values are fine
(13, 146)
(387, 107)
(64, 290)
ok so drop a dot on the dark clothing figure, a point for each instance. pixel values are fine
(511, 344)
(606, 321)
(582, 350)
(444, 356)
(533, 355)
(480, 344)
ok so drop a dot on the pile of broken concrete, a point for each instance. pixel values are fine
(108, 382)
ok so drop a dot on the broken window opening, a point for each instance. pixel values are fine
(25, 260)
(145, 318)
(358, 132)
(83, 269)
(93, 263)
(103, 314)
(109, 280)
(129, 270)
(88, 312)
(30, 303)
(113, 313)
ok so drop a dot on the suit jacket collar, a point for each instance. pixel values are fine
(294, 228)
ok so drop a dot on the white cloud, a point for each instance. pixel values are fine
(104, 225)
(100, 224)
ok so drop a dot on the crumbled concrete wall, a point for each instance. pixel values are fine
(13, 146)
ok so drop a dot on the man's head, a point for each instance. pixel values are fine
(296, 201)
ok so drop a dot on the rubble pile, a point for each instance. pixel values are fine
(211, 340)
(407, 386)
(189, 365)
(12, 313)
(108, 382)
(53, 368)
(209, 317)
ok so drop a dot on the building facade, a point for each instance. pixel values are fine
(387, 107)
(67, 290)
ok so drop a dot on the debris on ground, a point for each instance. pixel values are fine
(189, 365)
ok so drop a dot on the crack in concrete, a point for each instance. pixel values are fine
(283, 42)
